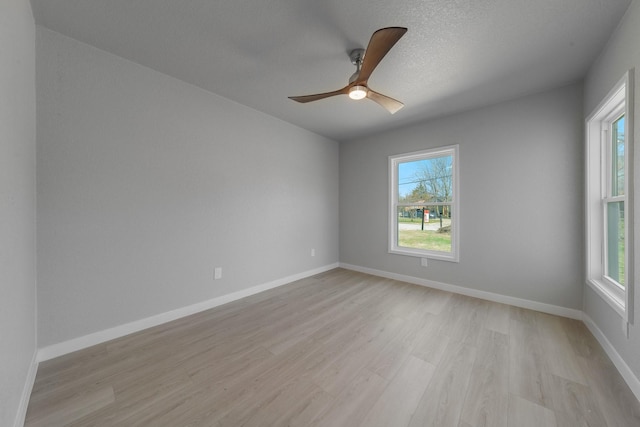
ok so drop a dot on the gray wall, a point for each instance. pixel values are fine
(146, 183)
(17, 203)
(621, 54)
(521, 198)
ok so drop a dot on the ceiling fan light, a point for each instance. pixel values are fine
(358, 92)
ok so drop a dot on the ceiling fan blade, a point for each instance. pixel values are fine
(390, 104)
(308, 98)
(380, 44)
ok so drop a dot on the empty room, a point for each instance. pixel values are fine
(305, 213)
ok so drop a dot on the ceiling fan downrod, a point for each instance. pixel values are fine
(356, 56)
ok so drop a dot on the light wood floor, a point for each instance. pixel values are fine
(342, 349)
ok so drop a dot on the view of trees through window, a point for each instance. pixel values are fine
(425, 196)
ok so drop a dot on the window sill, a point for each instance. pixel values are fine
(604, 292)
(421, 254)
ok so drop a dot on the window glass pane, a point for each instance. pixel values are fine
(615, 242)
(617, 157)
(425, 227)
(427, 180)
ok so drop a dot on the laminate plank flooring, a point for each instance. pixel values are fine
(342, 349)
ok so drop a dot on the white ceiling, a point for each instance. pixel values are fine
(457, 54)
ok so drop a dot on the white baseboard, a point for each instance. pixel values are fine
(75, 344)
(632, 381)
(489, 296)
(26, 391)
(89, 340)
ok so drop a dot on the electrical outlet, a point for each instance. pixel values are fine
(217, 273)
(424, 262)
(313, 252)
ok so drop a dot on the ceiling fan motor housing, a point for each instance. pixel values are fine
(356, 56)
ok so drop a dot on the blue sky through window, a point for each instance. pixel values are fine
(409, 173)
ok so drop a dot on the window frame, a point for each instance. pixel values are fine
(598, 175)
(394, 161)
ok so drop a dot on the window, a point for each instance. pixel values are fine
(608, 199)
(423, 209)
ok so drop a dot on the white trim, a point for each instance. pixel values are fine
(60, 349)
(99, 337)
(26, 391)
(489, 296)
(627, 374)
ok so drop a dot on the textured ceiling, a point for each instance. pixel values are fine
(457, 54)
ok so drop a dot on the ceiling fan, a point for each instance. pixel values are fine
(366, 61)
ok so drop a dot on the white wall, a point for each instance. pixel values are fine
(521, 198)
(621, 54)
(146, 183)
(17, 205)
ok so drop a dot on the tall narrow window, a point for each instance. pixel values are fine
(424, 215)
(608, 201)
